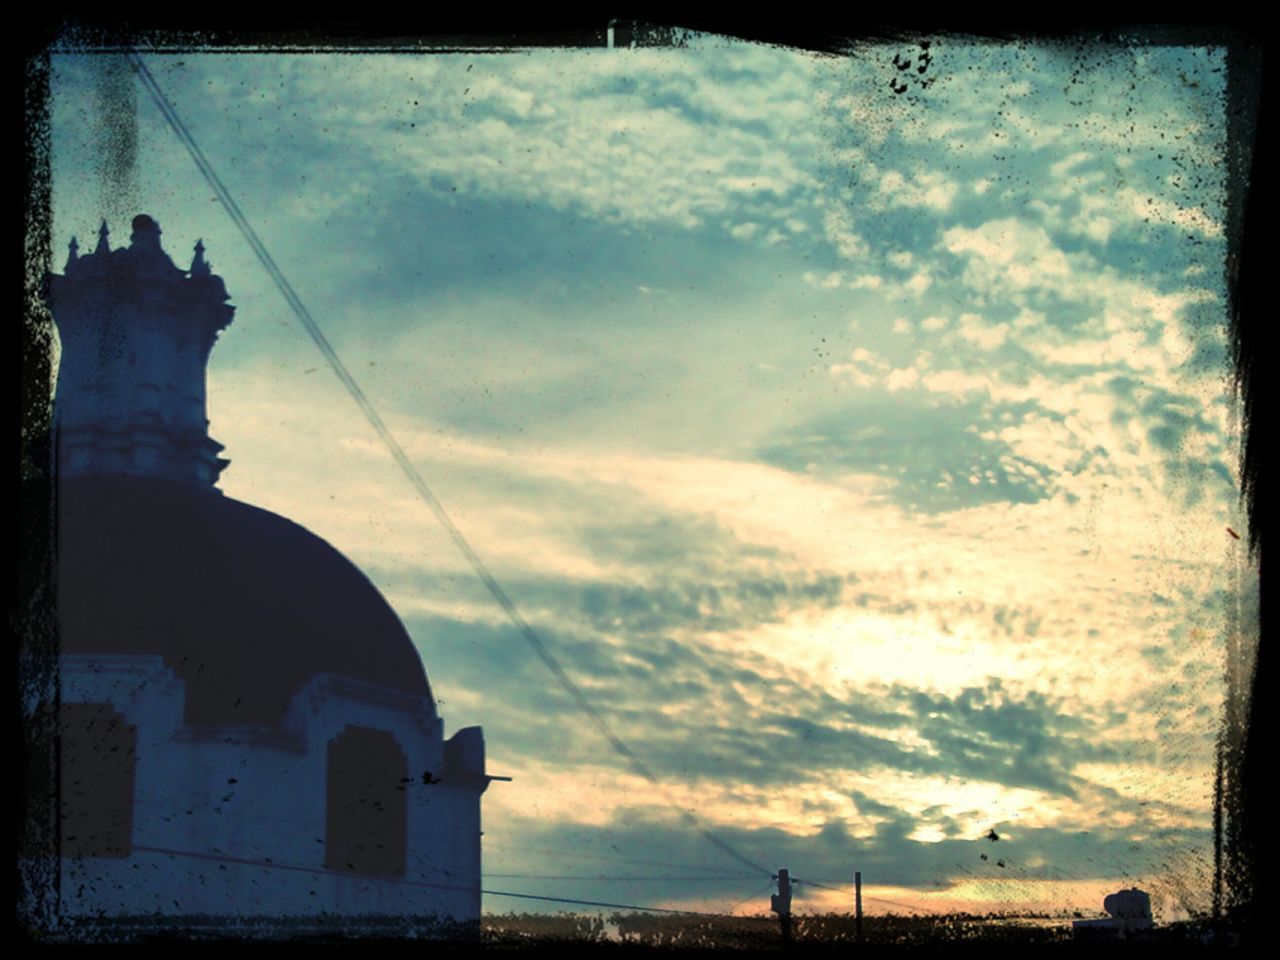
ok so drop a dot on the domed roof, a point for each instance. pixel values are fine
(243, 605)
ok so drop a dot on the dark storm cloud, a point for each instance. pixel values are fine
(747, 723)
(724, 605)
(886, 857)
(436, 246)
(1029, 742)
(685, 573)
(925, 446)
(1170, 421)
(1203, 324)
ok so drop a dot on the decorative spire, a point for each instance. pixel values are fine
(135, 336)
(73, 254)
(199, 266)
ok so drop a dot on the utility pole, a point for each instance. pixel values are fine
(857, 904)
(780, 903)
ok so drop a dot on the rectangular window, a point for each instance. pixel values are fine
(366, 815)
(97, 753)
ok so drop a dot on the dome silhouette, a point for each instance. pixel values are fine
(243, 605)
(245, 728)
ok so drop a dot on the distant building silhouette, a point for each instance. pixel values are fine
(246, 729)
(1129, 913)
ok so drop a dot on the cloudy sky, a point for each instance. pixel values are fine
(857, 434)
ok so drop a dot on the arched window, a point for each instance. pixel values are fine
(366, 816)
(97, 753)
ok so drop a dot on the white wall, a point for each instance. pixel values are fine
(185, 803)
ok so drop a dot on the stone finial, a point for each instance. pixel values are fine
(200, 267)
(146, 233)
(103, 233)
(73, 254)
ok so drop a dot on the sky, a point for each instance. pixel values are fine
(857, 432)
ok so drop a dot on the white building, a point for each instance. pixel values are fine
(247, 730)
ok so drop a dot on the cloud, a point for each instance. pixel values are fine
(1074, 865)
(641, 650)
(1007, 256)
(903, 379)
(927, 189)
(789, 411)
(935, 437)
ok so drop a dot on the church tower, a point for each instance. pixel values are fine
(247, 730)
(136, 334)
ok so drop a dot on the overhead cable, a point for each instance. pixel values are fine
(406, 465)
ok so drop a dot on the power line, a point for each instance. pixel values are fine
(623, 906)
(905, 906)
(375, 420)
(894, 903)
(271, 865)
(608, 879)
(815, 883)
(588, 856)
(759, 893)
